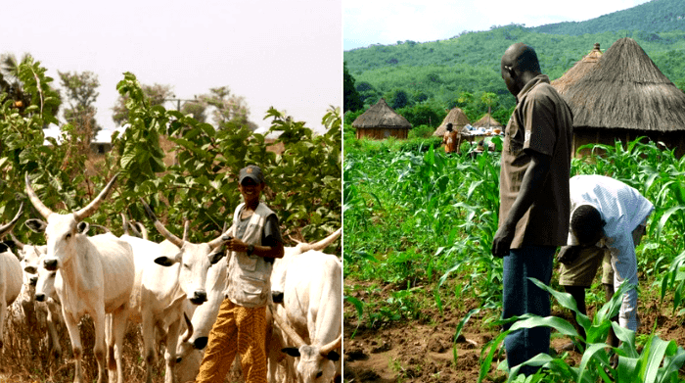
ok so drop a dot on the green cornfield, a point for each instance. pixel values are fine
(422, 222)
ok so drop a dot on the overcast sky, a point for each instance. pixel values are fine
(386, 22)
(286, 54)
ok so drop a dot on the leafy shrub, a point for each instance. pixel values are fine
(421, 131)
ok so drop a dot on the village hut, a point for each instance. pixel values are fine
(381, 121)
(487, 122)
(458, 119)
(578, 71)
(624, 97)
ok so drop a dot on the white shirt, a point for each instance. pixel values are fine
(622, 207)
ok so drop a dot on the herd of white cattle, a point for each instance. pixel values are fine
(173, 289)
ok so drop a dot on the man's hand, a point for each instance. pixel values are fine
(235, 244)
(502, 241)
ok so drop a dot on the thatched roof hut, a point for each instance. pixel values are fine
(381, 121)
(578, 71)
(626, 96)
(487, 122)
(458, 119)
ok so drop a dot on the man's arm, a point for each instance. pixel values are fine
(531, 185)
(275, 251)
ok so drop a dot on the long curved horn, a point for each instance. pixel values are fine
(289, 331)
(160, 228)
(186, 228)
(9, 226)
(325, 350)
(90, 209)
(35, 201)
(17, 241)
(124, 223)
(96, 226)
(213, 244)
(190, 328)
(322, 244)
(140, 228)
(216, 242)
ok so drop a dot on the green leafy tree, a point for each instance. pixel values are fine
(304, 182)
(227, 107)
(489, 99)
(197, 109)
(81, 94)
(56, 173)
(154, 94)
(352, 101)
(367, 93)
(423, 114)
(10, 82)
(397, 99)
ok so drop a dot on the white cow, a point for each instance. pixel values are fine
(311, 315)
(168, 275)
(10, 274)
(97, 275)
(40, 305)
(194, 341)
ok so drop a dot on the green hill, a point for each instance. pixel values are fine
(439, 72)
(654, 16)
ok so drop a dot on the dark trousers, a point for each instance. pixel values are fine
(521, 296)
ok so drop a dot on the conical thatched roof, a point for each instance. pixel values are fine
(487, 121)
(381, 115)
(578, 71)
(458, 119)
(626, 90)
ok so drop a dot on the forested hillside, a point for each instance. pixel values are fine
(463, 70)
(654, 16)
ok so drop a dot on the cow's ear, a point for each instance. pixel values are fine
(82, 227)
(166, 260)
(216, 255)
(333, 356)
(36, 225)
(3, 247)
(200, 343)
(292, 351)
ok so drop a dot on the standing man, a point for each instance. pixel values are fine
(608, 219)
(534, 197)
(451, 139)
(254, 241)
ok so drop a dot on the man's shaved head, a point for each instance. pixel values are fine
(519, 65)
(521, 57)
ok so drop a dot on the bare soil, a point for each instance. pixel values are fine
(422, 350)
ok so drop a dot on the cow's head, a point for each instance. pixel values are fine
(45, 285)
(30, 256)
(63, 232)
(316, 363)
(186, 345)
(36, 276)
(194, 260)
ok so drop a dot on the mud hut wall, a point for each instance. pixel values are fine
(584, 136)
(382, 133)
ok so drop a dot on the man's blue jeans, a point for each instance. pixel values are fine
(521, 296)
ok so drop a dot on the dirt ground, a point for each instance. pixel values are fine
(421, 351)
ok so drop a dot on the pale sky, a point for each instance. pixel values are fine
(285, 54)
(386, 22)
